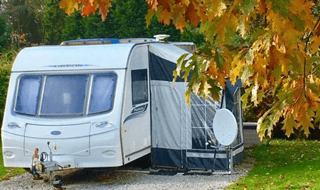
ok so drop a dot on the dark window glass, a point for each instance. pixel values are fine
(139, 86)
(64, 95)
(102, 96)
(28, 94)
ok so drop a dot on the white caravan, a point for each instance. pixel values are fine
(99, 105)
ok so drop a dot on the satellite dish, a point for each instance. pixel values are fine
(225, 127)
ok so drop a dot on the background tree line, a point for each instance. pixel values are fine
(27, 22)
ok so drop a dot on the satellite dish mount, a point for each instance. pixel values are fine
(225, 130)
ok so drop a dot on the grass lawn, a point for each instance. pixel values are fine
(284, 164)
(6, 173)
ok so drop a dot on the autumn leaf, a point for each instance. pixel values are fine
(69, 5)
(305, 125)
(149, 15)
(315, 44)
(191, 15)
(289, 124)
(237, 66)
(88, 9)
(185, 2)
(271, 45)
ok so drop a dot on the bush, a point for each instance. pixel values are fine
(6, 61)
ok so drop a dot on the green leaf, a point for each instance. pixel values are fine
(296, 66)
(206, 49)
(297, 22)
(277, 72)
(263, 127)
(260, 96)
(218, 58)
(214, 90)
(149, 15)
(256, 34)
(317, 117)
(314, 87)
(245, 96)
(248, 6)
(314, 59)
(208, 28)
(281, 7)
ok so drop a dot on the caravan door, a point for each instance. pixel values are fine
(135, 129)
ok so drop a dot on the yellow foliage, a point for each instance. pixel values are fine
(315, 44)
(271, 45)
(69, 6)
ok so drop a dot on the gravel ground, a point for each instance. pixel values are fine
(131, 179)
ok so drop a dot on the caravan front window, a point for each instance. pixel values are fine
(28, 94)
(64, 95)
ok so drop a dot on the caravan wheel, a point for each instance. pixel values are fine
(57, 181)
(27, 170)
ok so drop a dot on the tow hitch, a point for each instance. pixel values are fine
(44, 165)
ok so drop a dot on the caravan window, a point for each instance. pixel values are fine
(102, 96)
(64, 95)
(28, 94)
(139, 86)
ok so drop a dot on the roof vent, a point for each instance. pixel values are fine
(161, 37)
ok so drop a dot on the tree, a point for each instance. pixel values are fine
(125, 20)
(73, 28)
(272, 45)
(5, 29)
(53, 20)
(23, 20)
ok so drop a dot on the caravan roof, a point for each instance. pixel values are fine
(46, 58)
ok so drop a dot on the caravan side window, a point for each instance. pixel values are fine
(28, 94)
(103, 90)
(139, 86)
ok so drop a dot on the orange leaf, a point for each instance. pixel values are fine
(104, 8)
(88, 9)
(154, 5)
(261, 7)
(318, 30)
(180, 23)
(178, 18)
(221, 78)
(165, 4)
(191, 15)
(165, 17)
